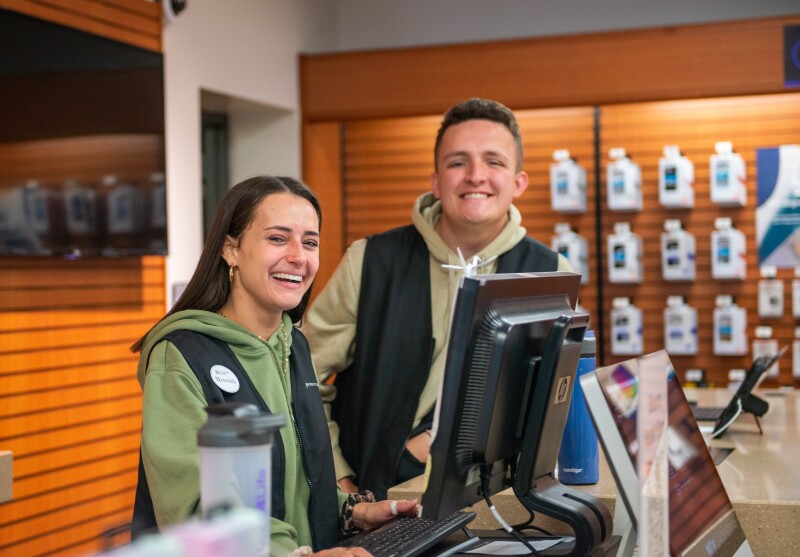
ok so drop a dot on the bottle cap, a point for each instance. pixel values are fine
(763, 332)
(723, 223)
(560, 155)
(737, 375)
(724, 300)
(696, 375)
(617, 153)
(723, 147)
(768, 271)
(621, 228)
(675, 301)
(238, 425)
(562, 228)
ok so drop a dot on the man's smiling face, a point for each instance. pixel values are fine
(476, 179)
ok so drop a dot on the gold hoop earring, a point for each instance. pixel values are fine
(230, 274)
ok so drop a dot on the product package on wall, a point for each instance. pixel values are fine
(624, 255)
(567, 184)
(623, 182)
(677, 252)
(574, 247)
(125, 210)
(796, 293)
(735, 377)
(728, 251)
(730, 328)
(80, 209)
(727, 172)
(695, 377)
(680, 327)
(675, 179)
(770, 293)
(626, 327)
(765, 345)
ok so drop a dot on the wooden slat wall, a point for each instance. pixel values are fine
(70, 406)
(85, 159)
(388, 163)
(136, 22)
(750, 122)
(677, 62)
(713, 61)
(322, 144)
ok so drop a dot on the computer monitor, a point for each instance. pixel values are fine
(514, 346)
(701, 520)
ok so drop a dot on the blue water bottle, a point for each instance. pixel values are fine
(578, 459)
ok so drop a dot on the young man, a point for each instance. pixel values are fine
(382, 321)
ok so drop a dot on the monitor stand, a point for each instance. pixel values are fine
(586, 515)
(755, 406)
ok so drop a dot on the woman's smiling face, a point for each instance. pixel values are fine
(277, 256)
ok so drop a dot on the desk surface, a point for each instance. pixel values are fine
(761, 476)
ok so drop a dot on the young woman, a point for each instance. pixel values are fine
(251, 284)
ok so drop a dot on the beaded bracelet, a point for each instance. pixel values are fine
(348, 524)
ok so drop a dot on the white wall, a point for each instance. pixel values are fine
(245, 50)
(369, 24)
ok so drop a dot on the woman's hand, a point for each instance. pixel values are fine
(347, 485)
(420, 446)
(372, 515)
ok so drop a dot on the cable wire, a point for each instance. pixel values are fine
(485, 492)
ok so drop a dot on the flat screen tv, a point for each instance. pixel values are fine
(81, 143)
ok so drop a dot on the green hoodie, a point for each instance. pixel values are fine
(174, 410)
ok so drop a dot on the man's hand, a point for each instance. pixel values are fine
(420, 446)
(347, 485)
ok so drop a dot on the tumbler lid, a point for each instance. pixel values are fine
(238, 424)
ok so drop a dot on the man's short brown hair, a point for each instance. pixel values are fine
(480, 109)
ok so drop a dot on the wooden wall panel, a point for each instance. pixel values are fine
(388, 164)
(718, 59)
(86, 159)
(750, 122)
(70, 405)
(136, 22)
(322, 171)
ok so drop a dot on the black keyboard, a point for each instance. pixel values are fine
(409, 536)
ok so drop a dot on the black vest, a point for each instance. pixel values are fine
(201, 352)
(377, 396)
